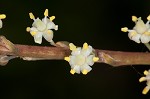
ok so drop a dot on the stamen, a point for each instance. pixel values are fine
(85, 46)
(72, 46)
(125, 29)
(33, 33)
(148, 18)
(67, 59)
(28, 29)
(52, 18)
(142, 79)
(134, 18)
(95, 59)
(146, 72)
(31, 16)
(2, 16)
(84, 71)
(145, 90)
(46, 12)
(72, 71)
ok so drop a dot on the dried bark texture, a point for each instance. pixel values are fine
(9, 51)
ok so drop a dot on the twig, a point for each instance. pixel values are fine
(9, 51)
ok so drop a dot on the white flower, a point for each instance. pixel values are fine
(42, 28)
(140, 32)
(2, 16)
(146, 78)
(81, 58)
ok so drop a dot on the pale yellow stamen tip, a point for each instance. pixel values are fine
(85, 46)
(146, 72)
(72, 71)
(148, 18)
(49, 31)
(52, 18)
(95, 59)
(28, 29)
(145, 90)
(67, 59)
(142, 79)
(31, 16)
(72, 46)
(133, 33)
(125, 29)
(46, 12)
(134, 18)
(84, 71)
(2, 16)
(33, 33)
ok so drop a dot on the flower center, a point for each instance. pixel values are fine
(79, 60)
(39, 25)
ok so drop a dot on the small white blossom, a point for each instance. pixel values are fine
(140, 32)
(42, 28)
(146, 78)
(2, 16)
(81, 58)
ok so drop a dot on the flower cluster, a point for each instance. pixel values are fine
(2, 16)
(81, 58)
(140, 32)
(146, 78)
(42, 28)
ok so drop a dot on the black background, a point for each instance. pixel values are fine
(96, 22)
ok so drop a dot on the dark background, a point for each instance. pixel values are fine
(96, 22)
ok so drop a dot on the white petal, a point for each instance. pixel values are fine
(40, 25)
(131, 33)
(147, 24)
(51, 25)
(140, 26)
(1, 23)
(87, 67)
(38, 37)
(45, 20)
(145, 38)
(77, 51)
(87, 52)
(89, 60)
(77, 69)
(33, 29)
(48, 35)
(136, 38)
(72, 58)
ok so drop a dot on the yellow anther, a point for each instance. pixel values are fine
(2, 16)
(145, 90)
(146, 72)
(142, 79)
(46, 12)
(28, 29)
(85, 46)
(72, 46)
(134, 18)
(147, 33)
(95, 59)
(33, 33)
(84, 71)
(148, 18)
(31, 16)
(125, 29)
(52, 18)
(72, 71)
(49, 31)
(67, 59)
(133, 33)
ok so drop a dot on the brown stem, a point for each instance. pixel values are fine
(9, 50)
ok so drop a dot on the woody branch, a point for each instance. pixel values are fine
(9, 51)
